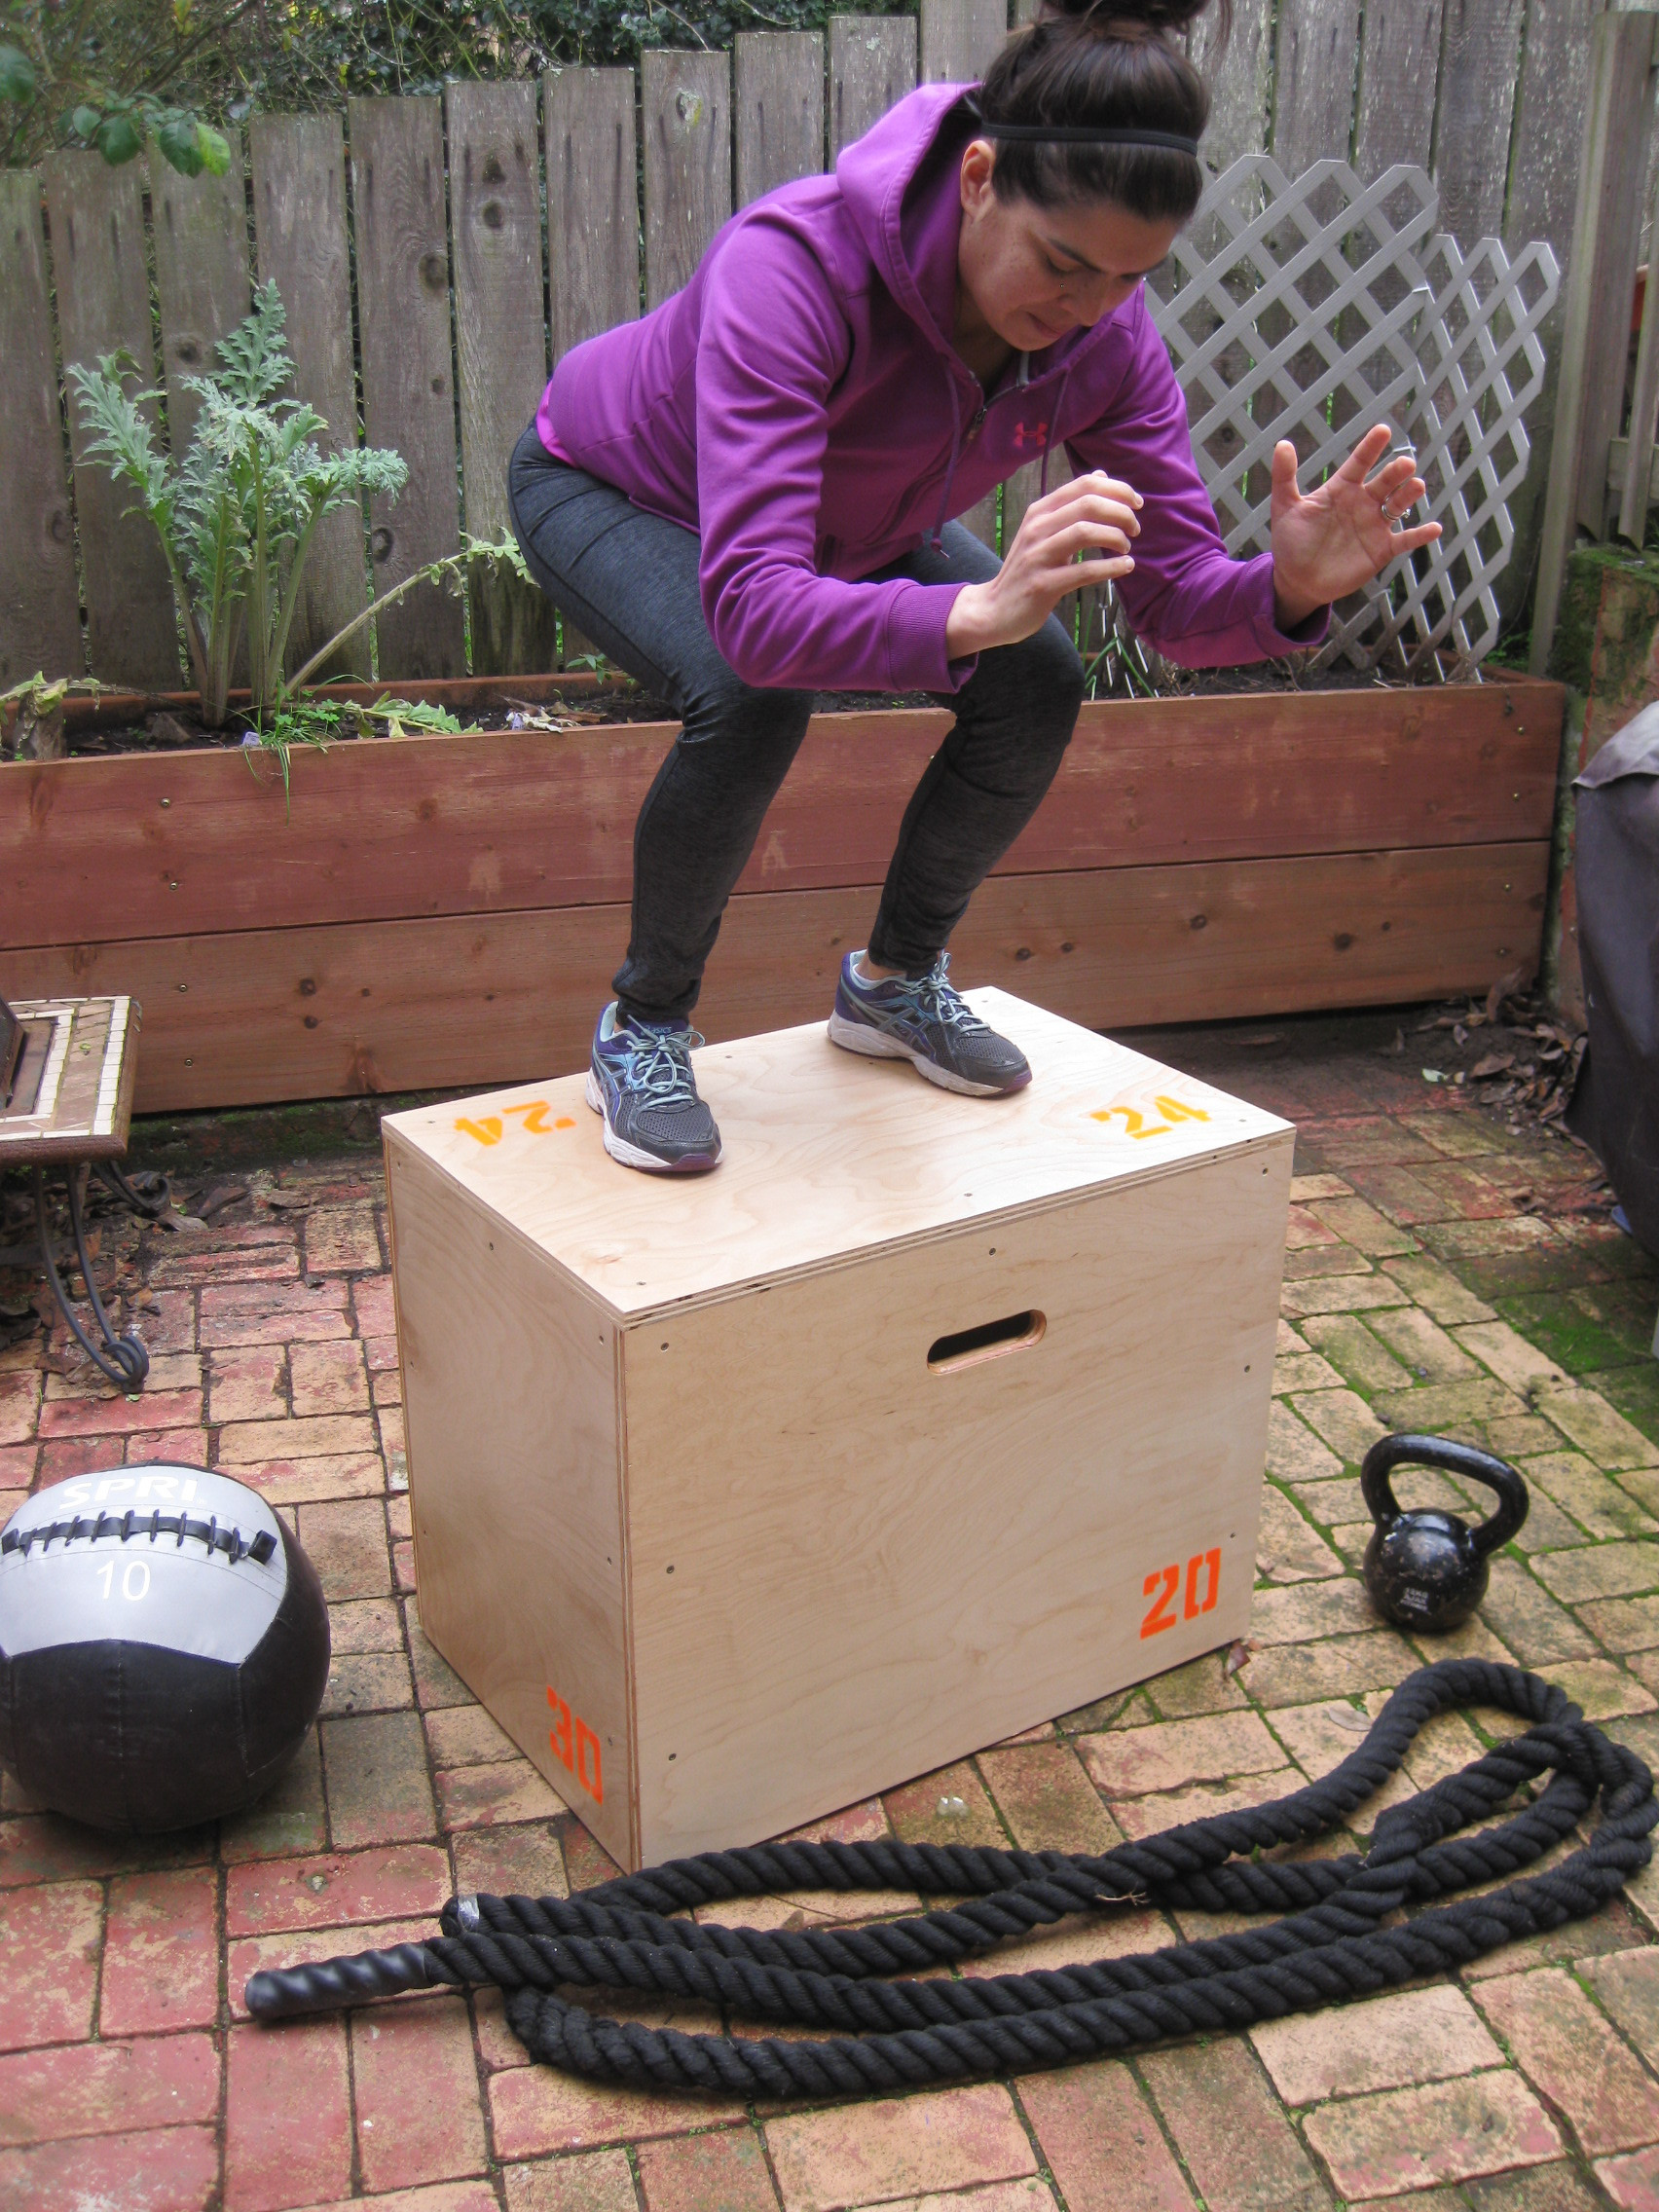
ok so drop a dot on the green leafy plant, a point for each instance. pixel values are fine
(306, 721)
(238, 516)
(119, 124)
(32, 716)
(106, 74)
(216, 59)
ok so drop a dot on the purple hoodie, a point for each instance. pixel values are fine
(800, 405)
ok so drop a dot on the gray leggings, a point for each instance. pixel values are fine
(629, 580)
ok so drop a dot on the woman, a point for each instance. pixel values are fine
(746, 497)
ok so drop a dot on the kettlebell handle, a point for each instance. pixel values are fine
(1452, 1458)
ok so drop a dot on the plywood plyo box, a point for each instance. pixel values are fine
(923, 1418)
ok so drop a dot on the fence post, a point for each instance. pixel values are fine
(1480, 63)
(403, 333)
(496, 250)
(40, 605)
(1637, 492)
(959, 39)
(686, 101)
(1595, 335)
(777, 109)
(1313, 90)
(298, 166)
(101, 281)
(872, 65)
(199, 228)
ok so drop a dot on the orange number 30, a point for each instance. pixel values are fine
(575, 1747)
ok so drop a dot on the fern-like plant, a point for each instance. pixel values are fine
(238, 515)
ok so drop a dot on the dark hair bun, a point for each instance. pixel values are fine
(1114, 17)
(1102, 64)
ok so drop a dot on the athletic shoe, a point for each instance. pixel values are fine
(922, 1019)
(640, 1079)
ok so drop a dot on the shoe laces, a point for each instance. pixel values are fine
(937, 997)
(660, 1064)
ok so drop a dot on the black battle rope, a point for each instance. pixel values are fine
(1339, 1937)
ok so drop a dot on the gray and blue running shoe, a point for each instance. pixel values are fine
(922, 1019)
(640, 1079)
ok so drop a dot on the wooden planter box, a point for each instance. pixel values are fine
(448, 910)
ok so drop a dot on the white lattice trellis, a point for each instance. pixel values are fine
(1310, 309)
(1483, 364)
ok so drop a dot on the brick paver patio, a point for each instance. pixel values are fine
(1442, 1273)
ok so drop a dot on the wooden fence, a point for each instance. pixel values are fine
(435, 255)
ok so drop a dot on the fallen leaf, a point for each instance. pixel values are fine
(1239, 1656)
(1505, 987)
(1494, 1063)
(222, 1195)
(285, 1202)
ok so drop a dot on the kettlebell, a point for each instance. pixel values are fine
(1429, 1569)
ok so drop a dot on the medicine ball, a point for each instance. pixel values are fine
(164, 1647)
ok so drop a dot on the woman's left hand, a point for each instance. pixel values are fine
(1333, 540)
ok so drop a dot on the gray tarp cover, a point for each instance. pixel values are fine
(1616, 1106)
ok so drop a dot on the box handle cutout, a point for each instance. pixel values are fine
(969, 1348)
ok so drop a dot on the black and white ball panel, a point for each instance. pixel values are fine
(105, 1556)
(164, 1647)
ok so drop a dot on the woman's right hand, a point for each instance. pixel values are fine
(1093, 516)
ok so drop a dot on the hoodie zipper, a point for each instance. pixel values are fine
(960, 437)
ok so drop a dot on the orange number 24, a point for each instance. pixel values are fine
(534, 1111)
(1135, 1123)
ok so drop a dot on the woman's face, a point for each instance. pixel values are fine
(1037, 274)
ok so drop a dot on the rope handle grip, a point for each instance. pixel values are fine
(329, 1985)
(1452, 1458)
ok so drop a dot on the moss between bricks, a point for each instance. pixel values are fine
(311, 1129)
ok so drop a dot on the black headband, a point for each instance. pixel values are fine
(1087, 135)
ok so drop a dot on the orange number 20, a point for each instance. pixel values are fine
(1203, 1588)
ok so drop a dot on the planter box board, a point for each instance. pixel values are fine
(448, 909)
(710, 1510)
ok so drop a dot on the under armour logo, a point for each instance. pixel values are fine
(1023, 436)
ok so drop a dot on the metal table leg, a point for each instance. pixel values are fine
(122, 1360)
